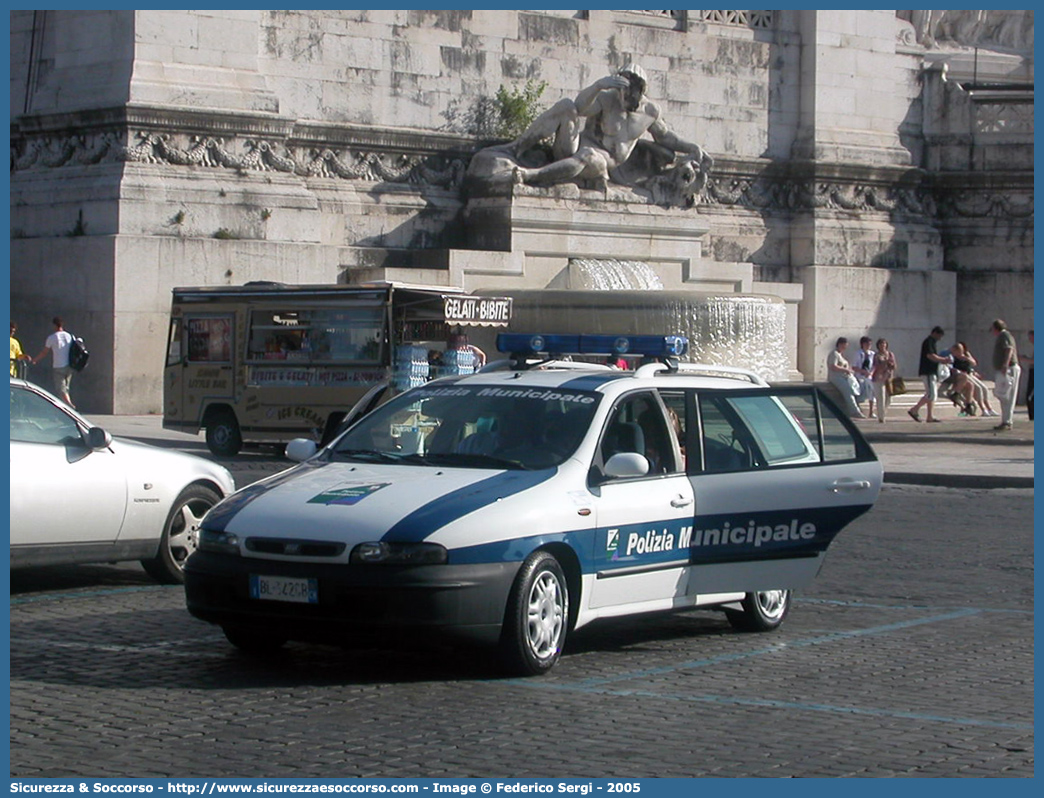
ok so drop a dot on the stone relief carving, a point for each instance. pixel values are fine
(758, 193)
(985, 29)
(250, 155)
(776, 195)
(597, 139)
(979, 205)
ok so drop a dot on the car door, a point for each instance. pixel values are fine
(61, 492)
(643, 522)
(779, 473)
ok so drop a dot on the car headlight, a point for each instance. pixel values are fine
(382, 553)
(218, 541)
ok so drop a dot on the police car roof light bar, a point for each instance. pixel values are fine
(656, 346)
(708, 369)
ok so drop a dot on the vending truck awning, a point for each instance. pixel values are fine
(477, 311)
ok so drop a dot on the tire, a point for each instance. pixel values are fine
(180, 534)
(536, 618)
(253, 641)
(762, 611)
(223, 436)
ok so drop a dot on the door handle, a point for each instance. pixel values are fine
(849, 485)
(681, 501)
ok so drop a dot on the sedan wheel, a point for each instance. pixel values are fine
(762, 611)
(180, 534)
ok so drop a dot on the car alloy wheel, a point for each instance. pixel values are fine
(181, 534)
(762, 611)
(537, 616)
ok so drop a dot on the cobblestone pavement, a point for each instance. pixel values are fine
(912, 655)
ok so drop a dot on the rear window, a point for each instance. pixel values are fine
(774, 428)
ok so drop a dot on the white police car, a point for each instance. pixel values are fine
(511, 506)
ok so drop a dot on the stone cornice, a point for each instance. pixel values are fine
(249, 142)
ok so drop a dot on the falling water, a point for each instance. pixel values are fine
(613, 275)
(746, 330)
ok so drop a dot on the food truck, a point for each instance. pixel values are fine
(268, 362)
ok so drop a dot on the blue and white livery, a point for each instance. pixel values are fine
(514, 505)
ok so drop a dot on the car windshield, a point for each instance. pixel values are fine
(474, 426)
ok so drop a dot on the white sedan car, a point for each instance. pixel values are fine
(80, 496)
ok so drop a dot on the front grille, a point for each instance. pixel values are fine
(294, 548)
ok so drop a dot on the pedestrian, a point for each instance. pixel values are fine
(57, 345)
(928, 370)
(17, 355)
(1028, 360)
(863, 368)
(1006, 371)
(839, 372)
(884, 369)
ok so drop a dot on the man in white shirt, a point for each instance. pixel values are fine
(57, 345)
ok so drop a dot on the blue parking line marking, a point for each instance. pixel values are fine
(809, 641)
(599, 686)
(774, 704)
(918, 607)
(92, 593)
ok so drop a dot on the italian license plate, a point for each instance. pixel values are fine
(284, 588)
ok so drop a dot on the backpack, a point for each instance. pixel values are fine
(78, 354)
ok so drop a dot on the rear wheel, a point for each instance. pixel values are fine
(180, 534)
(253, 641)
(223, 436)
(536, 618)
(762, 611)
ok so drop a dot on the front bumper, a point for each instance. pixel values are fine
(357, 603)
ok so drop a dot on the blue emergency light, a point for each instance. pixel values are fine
(634, 345)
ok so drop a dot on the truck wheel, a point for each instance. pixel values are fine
(536, 618)
(223, 436)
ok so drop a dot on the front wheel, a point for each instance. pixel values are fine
(536, 618)
(180, 534)
(223, 435)
(762, 611)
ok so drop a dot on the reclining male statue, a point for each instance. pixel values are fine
(597, 139)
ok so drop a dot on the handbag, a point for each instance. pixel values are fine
(896, 386)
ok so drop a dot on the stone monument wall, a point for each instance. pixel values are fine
(323, 146)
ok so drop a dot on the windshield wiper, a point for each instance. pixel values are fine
(369, 455)
(474, 460)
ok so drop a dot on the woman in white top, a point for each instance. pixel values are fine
(839, 372)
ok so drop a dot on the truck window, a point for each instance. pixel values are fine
(174, 343)
(209, 339)
(317, 335)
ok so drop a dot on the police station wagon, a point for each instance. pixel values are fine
(512, 506)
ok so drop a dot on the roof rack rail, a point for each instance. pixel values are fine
(551, 362)
(711, 370)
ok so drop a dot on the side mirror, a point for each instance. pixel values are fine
(97, 439)
(301, 449)
(627, 464)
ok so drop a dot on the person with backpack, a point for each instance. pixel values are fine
(58, 344)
